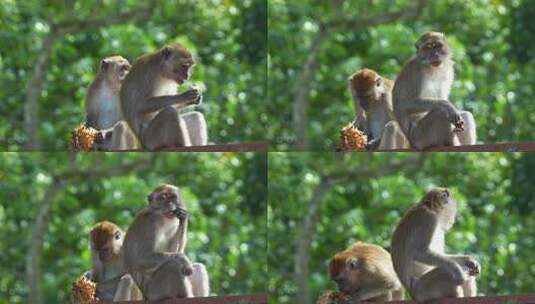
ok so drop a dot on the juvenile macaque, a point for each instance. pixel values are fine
(365, 272)
(372, 97)
(102, 102)
(151, 106)
(109, 274)
(103, 109)
(154, 249)
(423, 267)
(421, 98)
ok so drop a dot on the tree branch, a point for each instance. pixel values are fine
(33, 258)
(304, 240)
(76, 26)
(302, 89)
(358, 24)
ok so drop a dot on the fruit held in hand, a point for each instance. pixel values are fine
(331, 297)
(352, 139)
(83, 138)
(83, 291)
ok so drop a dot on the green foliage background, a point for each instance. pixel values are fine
(493, 42)
(228, 37)
(496, 220)
(226, 194)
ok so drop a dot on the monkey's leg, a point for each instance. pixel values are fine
(432, 130)
(167, 129)
(470, 287)
(393, 137)
(122, 137)
(200, 282)
(468, 136)
(197, 130)
(167, 282)
(125, 289)
(434, 284)
(380, 290)
(398, 295)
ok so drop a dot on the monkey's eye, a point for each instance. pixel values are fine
(378, 82)
(125, 68)
(446, 193)
(117, 236)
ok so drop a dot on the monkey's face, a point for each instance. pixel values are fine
(177, 63)
(166, 200)
(432, 49)
(441, 201)
(115, 68)
(106, 240)
(367, 86)
(347, 273)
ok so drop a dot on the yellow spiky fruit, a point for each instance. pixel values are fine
(352, 139)
(332, 297)
(83, 138)
(83, 291)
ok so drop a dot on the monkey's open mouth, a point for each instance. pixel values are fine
(181, 76)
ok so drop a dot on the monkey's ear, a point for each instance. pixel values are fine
(104, 64)
(352, 263)
(167, 52)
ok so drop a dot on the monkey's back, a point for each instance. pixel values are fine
(137, 87)
(401, 94)
(404, 241)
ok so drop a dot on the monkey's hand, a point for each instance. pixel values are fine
(454, 117)
(373, 144)
(181, 214)
(474, 269)
(187, 268)
(193, 96)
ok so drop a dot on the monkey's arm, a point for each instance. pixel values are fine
(127, 289)
(90, 275)
(427, 104)
(424, 254)
(178, 242)
(156, 103)
(374, 290)
(91, 116)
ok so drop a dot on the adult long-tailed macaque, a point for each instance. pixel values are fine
(365, 272)
(103, 109)
(109, 273)
(154, 249)
(372, 98)
(421, 98)
(150, 105)
(423, 267)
